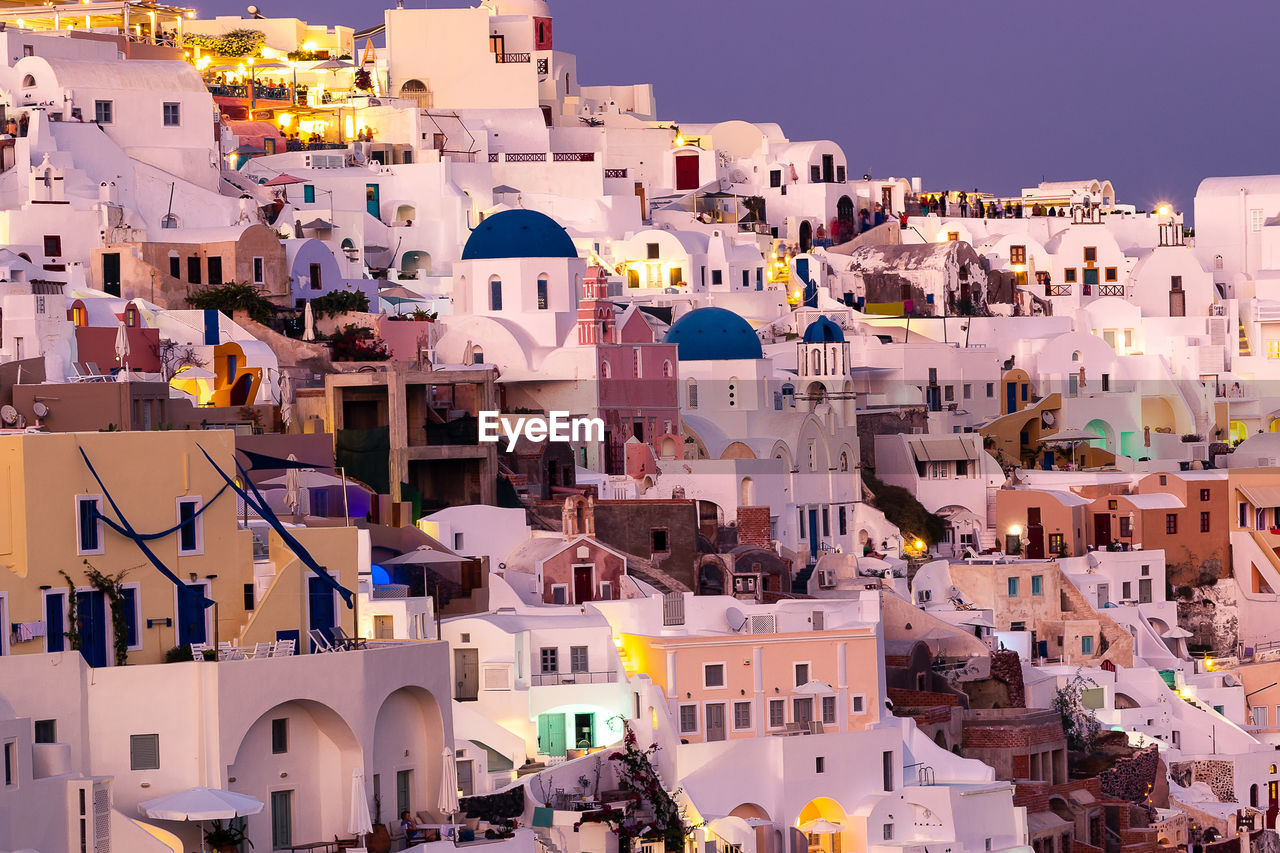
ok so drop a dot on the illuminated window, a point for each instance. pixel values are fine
(1273, 349)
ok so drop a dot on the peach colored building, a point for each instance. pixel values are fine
(1041, 523)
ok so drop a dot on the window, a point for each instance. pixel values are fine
(1126, 591)
(886, 767)
(1126, 527)
(1256, 219)
(10, 763)
(193, 269)
(775, 178)
(1260, 715)
(742, 715)
(1037, 585)
(1090, 254)
(653, 251)
(46, 731)
(495, 295)
(802, 674)
(1090, 277)
(1013, 587)
(102, 112)
(248, 597)
(1106, 382)
(259, 270)
(856, 704)
(1171, 523)
(658, 540)
(215, 270)
(172, 114)
(52, 245)
(1069, 275)
(144, 752)
(1017, 626)
(829, 710)
(280, 736)
(1109, 274)
(542, 294)
(578, 660)
(820, 764)
(688, 718)
(717, 276)
(281, 819)
(1243, 520)
(1204, 522)
(313, 273)
(713, 675)
(842, 516)
(1017, 254)
(991, 390)
(191, 536)
(802, 709)
(309, 194)
(559, 593)
(888, 832)
(1204, 494)
(175, 266)
(89, 524)
(1056, 543)
(550, 660)
(777, 713)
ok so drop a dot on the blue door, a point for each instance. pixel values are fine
(91, 616)
(372, 200)
(813, 535)
(1011, 398)
(54, 637)
(320, 607)
(191, 626)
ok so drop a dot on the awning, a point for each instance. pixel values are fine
(1261, 496)
(942, 449)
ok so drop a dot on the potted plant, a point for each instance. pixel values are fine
(378, 841)
(226, 838)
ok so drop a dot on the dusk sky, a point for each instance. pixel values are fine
(998, 95)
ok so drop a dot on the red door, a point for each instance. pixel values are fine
(582, 586)
(1035, 534)
(687, 172)
(1101, 529)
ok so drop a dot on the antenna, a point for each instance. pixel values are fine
(8, 414)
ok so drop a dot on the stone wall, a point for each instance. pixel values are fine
(1006, 668)
(1131, 778)
(1218, 775)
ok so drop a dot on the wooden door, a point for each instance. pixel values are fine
(466, 674)
(687, 172)
(582, 587)
(1101, 529)
(715, 721)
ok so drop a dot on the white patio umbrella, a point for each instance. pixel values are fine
(200, 804)
(449, 785)
(122, 347)
(360, 823)
(291, 488)
(309, 323)
(422, 556)
(820, 826)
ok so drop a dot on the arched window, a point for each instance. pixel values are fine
(477, 355)
(1075, 356)
(666, 369)
(817, 361)
(79, 317)
(495, 294)
(131, 316)
(605, 371)
(844, 460)
(636, 366)
(543, 292)
(28, 82)
(693, 394)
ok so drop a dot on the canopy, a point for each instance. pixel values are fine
(200, 804)
(1177, 632)
(251, 150)
(317, 224)
(313, 480)
(284, 179)
(421, 556)
(1070, 435)
(398, 294)
(332, 65)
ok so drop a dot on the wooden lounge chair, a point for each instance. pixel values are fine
(321, 642)
(261, 650)
(346, 641)
(284, 649)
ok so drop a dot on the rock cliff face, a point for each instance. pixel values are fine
(1132, 778)
(1212, 616)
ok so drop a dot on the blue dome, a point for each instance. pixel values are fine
(713, 334)
(519, 234)
(823, 331)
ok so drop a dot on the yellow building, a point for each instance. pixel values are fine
(52, 540)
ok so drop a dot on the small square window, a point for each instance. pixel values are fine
(856, 704)
(1090, 254)
(550, 659)
(46, 731)
(777, 713)
(1069, 275)
(802, 674)
(172, 114)
(1013, 587)
(102, 111)
(820, 764)
(713, 675)
(578, 659)
(144, 752)
(1109, 274)
(659, 540)
(52, 245)
(742, 715)
(1204, 494)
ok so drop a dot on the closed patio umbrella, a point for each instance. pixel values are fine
(308, 323)
(291, 488)
(122, 347)
(359, 823)
(449, 785)
(286, 400)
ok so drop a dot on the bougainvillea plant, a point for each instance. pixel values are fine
(651, 812)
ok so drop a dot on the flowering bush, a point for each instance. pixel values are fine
(243, 42)
(357, 343)
(652, 812)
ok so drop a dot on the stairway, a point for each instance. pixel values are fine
(800, 580)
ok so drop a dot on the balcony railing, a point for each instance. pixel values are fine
(299, 145)
(273, 93)
(228, 90)
(530, 157)
(544, 66)
(548, 679)
(1057, 290)
(512, 58)
(1110, 289)
(573, 157)
(615, 173)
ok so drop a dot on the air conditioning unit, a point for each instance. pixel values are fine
(826, 579)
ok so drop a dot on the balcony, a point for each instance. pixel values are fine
(1057, 290)
(551, 679)
(615, 173)
(228, 90)
(1110, 290)
(512, 58)
(299, 145)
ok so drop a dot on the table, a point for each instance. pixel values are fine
(327, 846)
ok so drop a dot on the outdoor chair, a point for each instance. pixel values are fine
(341, 638)
(226, 651)
(262, 650)
(198, 650)
(321, 642)
(283, 649)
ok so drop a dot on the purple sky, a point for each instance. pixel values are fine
(1153, 96)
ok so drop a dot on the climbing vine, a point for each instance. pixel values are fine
(73, 616)
(651, 811)
(112, 587)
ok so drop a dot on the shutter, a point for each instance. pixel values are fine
(129, 601)
(144, 752)
(497, 678)
(673, 608)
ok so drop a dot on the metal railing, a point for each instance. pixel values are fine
(548, 679)
(299, 145)
(544, 66)
(512, 58)
(573, 157)
(273, 93)
(228, 90)
(529, 157)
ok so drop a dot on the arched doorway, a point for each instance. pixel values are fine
(824, 823)
(844, 210)
(768, 834)
(806, 235)
(309, 746)
(408, 746)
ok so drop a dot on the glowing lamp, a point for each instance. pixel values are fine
(918, 544)
(1015, 530)
(285, 119)
(679, 140)
(1164, 210)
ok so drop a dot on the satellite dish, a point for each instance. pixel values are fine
(735, 617)
(9, 415)
(40, 409)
